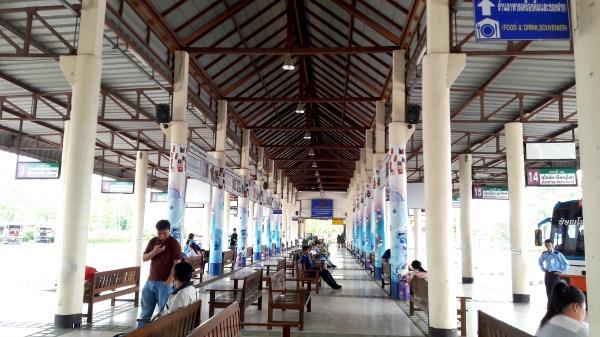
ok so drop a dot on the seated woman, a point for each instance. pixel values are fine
(565, 314)
(309, 265)
(191, 248)
(184, 293)
(417, 271)
(320, 253)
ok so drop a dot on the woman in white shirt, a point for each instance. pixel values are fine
(565, 314)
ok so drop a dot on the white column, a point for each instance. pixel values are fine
(586, 29)
(83, 72)
(141, 181)
(218, 195)
(515, 167)
(417, 233)
(206, 223)
(227, 230)
(465, 163)
(379, 189)
(243, 202)
(440, 69)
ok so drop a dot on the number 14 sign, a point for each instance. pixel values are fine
(551, 177)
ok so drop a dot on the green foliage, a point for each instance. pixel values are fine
(28, 235)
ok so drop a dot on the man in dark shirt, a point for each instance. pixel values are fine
(164, 252)
(233, 240)
(310, 267)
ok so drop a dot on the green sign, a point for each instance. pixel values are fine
(490, 192)
(552, 176)
(38, 170)
(117, 186)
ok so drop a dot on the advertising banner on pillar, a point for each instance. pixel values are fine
(490, 192)
(201, 165)
(552, 176)
(234, 183)
(383, 173)
(521, 20)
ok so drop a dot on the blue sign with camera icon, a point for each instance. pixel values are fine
(521, 20)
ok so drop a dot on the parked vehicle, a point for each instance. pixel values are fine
(567, 233)
(12, 234)
(43, 234)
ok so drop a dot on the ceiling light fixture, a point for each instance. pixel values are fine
(300, 108)
(311, 152)
(317, 174)
(288, 63)
(314, 165)
(307, 135)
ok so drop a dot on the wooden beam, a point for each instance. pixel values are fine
(308, 128)
(368, 21)
(315, 159)
(214, 22)
(293, 50)
(315, 147)
(302, 99)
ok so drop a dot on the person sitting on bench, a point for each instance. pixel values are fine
(184, 293)
(417, 271)
(309, 265)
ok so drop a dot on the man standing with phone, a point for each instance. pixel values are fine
(163, 252)
(552, 263)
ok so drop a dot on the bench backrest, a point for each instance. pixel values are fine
(176, 324)
(277, 282)
(420, 292)
(228, 256)
(197, 262)
(386, 269)
(249, 251)
(252, 286)
(488, 326)
(372, 259)
(280, 264)
(118, 278)
(224, 324)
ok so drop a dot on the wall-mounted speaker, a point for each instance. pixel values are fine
(412, 114)
(163, 113)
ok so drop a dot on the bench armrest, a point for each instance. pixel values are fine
(222, 289)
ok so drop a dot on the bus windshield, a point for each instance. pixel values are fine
(567, 230)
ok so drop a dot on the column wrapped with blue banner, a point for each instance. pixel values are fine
(399, 216)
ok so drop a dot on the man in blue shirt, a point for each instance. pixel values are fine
(553, 263)
(310, 267)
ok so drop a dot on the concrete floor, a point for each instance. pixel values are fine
(360, 308)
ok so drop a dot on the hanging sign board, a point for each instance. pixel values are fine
(277, 211)
(490, 192)
(158, 196)
(338, 221)
(521, 20)
(234, 183)
(37, 170)
(117, 186)
(321, 208)
(544, 151)
(551, 177)
(202, 166)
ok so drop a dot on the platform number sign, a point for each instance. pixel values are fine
(521, 20)
(551, 177)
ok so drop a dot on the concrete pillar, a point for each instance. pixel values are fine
(398, 134)
(417, 233)
(270, 224)
(206, 223)
(178, 133)
(465, 163)
(244, 171)
(61, 211)
(258, 208)
(370, 219)
(141, 181)
(379, 190)
(83, 72)
(515, 166)
(227, 229)
(586, 29)
(215, 263)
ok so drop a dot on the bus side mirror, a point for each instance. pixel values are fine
(538, 237)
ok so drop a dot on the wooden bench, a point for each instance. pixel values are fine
(372, 263)
(250, 293)
(419, 302)
(284, 299)
(386, 275)
(303, 277)
(197, 263)
(228, 260)
(110, 285)
(264, 251)
(228, 323)
(488, 326)
(250, 254)
(291, 264)
(176, 324)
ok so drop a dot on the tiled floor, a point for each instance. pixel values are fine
(360, 308)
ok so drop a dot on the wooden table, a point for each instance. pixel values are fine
(240, 274)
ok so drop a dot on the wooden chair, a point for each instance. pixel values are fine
(419, 300)
(386, 274)
(291, 265)
(250, 294)
(372, 263)
(197, 263)
(264, 251)
(176, 324)
(228, 260)
(250, 254)
(285, 299)
(228, 323)
(488, 326)
(108, 285)
(303, 277)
